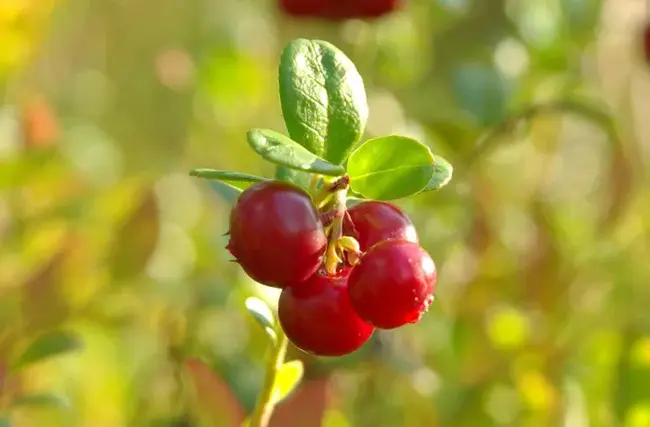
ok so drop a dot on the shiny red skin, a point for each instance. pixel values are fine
(340, 9)
(318, 318)
(393, 284)
(276, 234)
(375, 221)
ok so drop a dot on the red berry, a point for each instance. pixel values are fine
(393, 284)
(318, 318)
(339, 9)
(276, 235)
(376, 221)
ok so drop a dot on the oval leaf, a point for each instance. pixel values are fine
(235, 179)
(287, 379)
(323, 98)
(42, 399)
(48, 345)
(299, 178)
(227, 192)
(390, 167)
(262, 315)
(442, 174)
(281, 150)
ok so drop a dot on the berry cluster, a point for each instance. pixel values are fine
(339, 9)
(343, 271)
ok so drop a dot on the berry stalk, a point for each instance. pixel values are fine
(266, 403)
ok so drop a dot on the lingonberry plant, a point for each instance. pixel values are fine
(324, 230)
(339, 9)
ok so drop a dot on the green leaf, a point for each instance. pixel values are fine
(262, 315)
(351, 201)
(281, 150)
(323, 98)
(299, 178)
(287, 379)
(5, 422)
(227, 192)
(482, 92)
(42, 399)
(442, 174)
(49, 345)
(390, 167)
(235, 179)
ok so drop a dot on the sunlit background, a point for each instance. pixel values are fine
(542, 315)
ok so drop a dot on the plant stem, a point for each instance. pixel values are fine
(332, 259)
(265, 403)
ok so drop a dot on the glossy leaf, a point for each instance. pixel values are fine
(287, 379)
(226, 192)
(323, 98)
(390, 167)
(47, 346)
(443, 171)
(281, 150)
(235, 179)
(262, 315)
(42, 399)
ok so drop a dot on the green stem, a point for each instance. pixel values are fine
(265, 403)
(332, 259)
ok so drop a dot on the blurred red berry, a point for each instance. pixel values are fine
(339, 9)
(276, 234)
(318, 318)
(393, 284)
(39, 124)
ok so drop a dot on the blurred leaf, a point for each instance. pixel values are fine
(227, 192)
(235, 179)
(390, 167)
(43, 302)
(589, 109)
(262, 315)
(5, 422)
(214, 398)
(442, 174)
(581, 17)
(306, 406)
(135, 239)
(480, 90)
(42, 399)
(323, 98)
(48, 345)
(287, 379)
(281, 150)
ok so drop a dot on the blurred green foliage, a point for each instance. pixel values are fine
(542, 315)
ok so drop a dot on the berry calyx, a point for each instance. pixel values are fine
(373, 221)
(393, 284)
(318, 318)
(276, 234)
